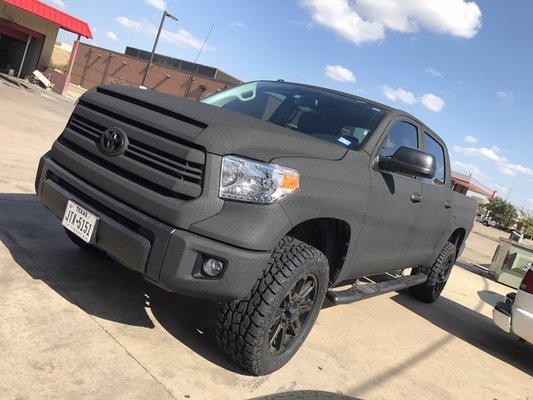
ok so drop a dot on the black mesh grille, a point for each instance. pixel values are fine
(142, 163)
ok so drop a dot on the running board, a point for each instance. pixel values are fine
(364, 291)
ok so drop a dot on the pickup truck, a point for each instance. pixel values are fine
(266, 197)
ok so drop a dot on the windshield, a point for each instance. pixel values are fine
(318, 113)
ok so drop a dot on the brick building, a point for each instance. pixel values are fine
(95, 66)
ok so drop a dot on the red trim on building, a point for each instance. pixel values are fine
(58, 17)
(473, 187)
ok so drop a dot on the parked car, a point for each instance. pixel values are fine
(485, 220)
(515, 315)
(265, 197)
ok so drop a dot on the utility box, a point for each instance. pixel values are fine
(510, 262)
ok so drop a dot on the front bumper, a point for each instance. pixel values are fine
(165, 255)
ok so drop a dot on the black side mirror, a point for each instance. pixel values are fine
(409, 161)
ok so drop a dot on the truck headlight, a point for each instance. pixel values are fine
(256, 182)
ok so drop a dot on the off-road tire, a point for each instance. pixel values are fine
(437, 274)
(244, 327)
(89, 248)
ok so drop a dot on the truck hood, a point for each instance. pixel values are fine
(218, 130)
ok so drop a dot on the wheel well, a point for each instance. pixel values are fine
(329, 235)
(457, 238)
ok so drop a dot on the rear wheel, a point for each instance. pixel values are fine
(84, 245)
(264, 331)
(437, 274)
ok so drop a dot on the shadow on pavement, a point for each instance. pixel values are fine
(460, 322)
(490, 298)
(474, 328)
(305, 395)
(481, 270)
(99, 285)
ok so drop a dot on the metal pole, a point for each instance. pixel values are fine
(24, 56)
(73, 55)
(509, 192)
(165, 14)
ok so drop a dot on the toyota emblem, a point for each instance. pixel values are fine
(113, 142)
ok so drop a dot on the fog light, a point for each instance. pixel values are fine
(212, 267)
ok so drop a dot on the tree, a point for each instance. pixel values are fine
(503, 212)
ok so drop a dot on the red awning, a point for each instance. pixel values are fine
(58, 17)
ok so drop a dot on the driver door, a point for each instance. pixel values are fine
(393, 207)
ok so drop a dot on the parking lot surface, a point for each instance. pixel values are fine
(78, 326)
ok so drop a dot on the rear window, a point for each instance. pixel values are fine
(318, 113)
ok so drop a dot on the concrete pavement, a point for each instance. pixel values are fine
(77, 326)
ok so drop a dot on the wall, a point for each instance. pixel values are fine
(60, 55)
(95, 66)
(37, 24)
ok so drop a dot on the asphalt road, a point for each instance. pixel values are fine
(76, 326)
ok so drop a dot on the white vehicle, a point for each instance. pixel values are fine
(516, 314)
(486, 221)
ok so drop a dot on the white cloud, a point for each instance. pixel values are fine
(240, 24)
(398, 94)
(58, 3)
(432, 102)
(505, 96)
(339, 73)
(493, 155)
(434, 72)
(470, 139)
(467, 169)
(340, 17)
(362, 21)
(111, 35)
(159, 4)
(181, 37)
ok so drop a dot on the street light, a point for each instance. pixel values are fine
(165, 14)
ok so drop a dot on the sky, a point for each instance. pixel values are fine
(465, 68)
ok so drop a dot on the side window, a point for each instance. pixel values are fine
(401, 134)
(433, 147)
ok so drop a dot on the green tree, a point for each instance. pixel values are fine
(503, 212)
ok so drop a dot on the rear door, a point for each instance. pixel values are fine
(393, 207)
(436, 211)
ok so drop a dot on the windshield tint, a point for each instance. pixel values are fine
(318, 113)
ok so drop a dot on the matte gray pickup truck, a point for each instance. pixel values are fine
(265, 197)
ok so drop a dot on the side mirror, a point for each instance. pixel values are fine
(409, 161)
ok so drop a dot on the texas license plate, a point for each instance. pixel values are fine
(80, 221)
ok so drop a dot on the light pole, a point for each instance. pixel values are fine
(165, 14)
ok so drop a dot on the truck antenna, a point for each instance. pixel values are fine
(203, 44)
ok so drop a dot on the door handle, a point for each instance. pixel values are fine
(448, 204)
(416, 197)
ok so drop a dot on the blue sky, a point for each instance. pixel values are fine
(463, 67)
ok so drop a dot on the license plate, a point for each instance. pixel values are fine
(80, 221)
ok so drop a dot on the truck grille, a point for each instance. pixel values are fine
(150, 159)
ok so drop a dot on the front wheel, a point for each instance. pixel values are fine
(437, 274)
(264, 331)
